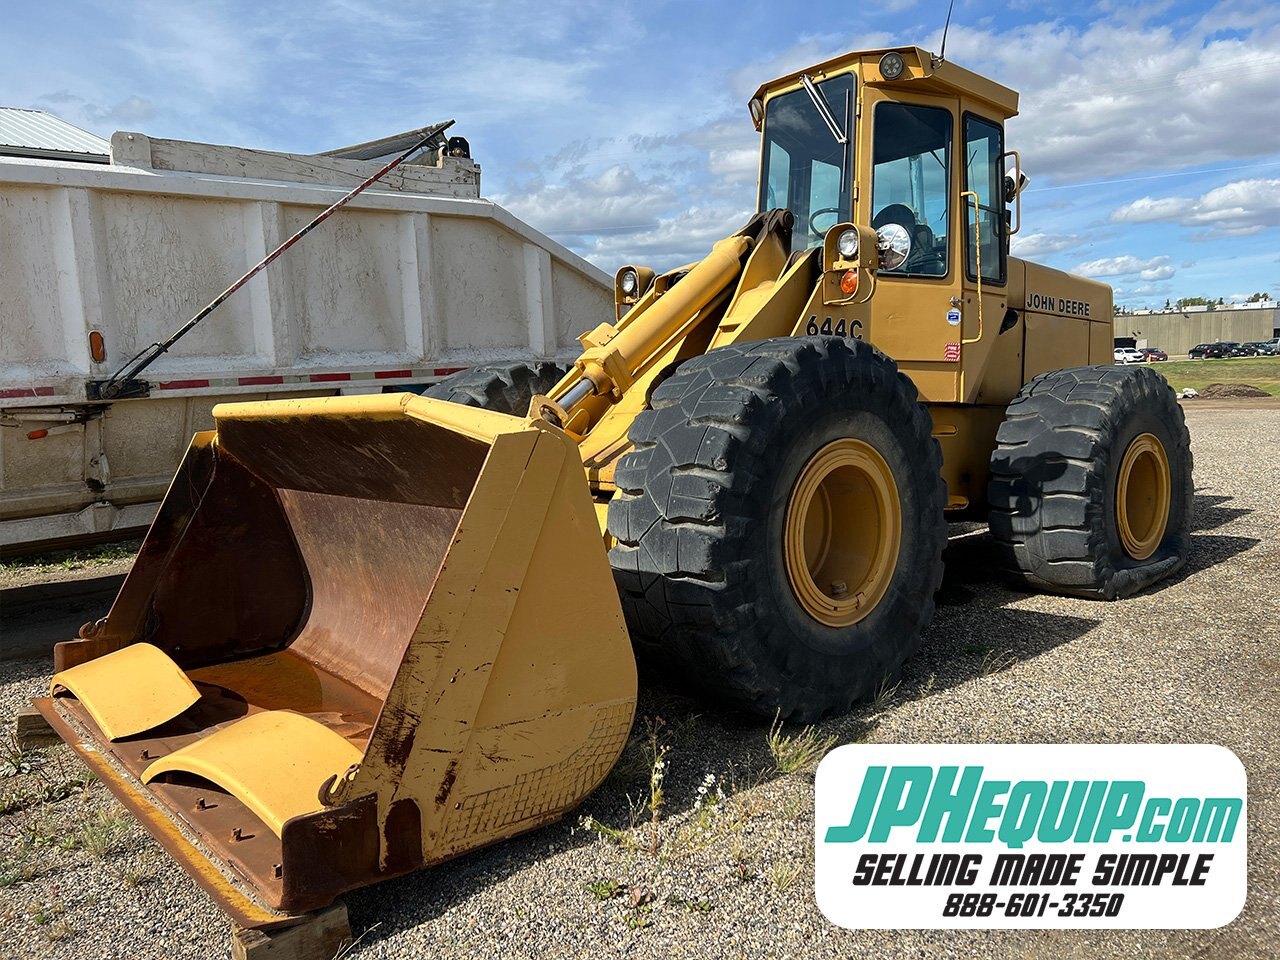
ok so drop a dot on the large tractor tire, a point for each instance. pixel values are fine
(779, 525)
(504, 388)
(1090, 488)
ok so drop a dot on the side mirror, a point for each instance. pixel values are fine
(1012, 188)
(850, 258)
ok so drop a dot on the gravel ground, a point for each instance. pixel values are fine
(1192, 661)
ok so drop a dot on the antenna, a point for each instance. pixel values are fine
(942, 54)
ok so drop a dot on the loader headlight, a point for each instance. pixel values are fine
(847, 244)
(894, 245)
(628, 283)
(892, 65)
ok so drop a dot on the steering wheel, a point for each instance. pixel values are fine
(813, 227)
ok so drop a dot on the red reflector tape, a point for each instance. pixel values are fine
(37, 434)
(26, 392)
(391, 374)
(445, 371)
(183, 384)
(259, 381)
(328, 377)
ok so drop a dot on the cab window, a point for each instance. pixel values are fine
(984, 175)
(910, 181)
(806, 169)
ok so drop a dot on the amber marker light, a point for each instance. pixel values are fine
(849, 282)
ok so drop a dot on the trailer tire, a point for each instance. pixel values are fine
(1090, 488)
(500, 388)
(711, 524)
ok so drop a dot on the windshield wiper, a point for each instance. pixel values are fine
(824, 109)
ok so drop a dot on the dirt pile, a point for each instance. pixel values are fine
(1231, 391)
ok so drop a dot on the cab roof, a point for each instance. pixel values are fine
(924, 73)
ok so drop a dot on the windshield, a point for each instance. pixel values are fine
(804, 167)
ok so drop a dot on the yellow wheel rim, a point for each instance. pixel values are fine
(843, 532)
(1142, 496)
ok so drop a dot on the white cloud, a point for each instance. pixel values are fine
(615, 200)
(1033, 245)
(1128, 93)
(682, 238)
(1235, 209)
(1157, 268)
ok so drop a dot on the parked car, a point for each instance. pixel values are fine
(1265, 348)
(1209, 351)
(1240, 350)
(1129, 355)
(1154, 354)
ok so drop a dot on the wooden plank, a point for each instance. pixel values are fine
(321, 936)
(32, 730)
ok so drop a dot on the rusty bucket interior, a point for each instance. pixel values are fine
(363, 634)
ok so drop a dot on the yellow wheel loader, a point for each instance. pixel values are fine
(367, 634)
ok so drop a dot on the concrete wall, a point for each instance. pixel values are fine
(1176, 332)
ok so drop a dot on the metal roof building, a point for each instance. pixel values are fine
(34, 133)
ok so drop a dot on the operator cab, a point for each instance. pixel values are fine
(923, 115)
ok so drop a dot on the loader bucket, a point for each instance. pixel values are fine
(363, 635)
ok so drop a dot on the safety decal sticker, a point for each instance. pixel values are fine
(953, 317)
(952, 352)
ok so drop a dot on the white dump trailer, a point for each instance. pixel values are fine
(416, 278)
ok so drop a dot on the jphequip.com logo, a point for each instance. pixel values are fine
(957, 835)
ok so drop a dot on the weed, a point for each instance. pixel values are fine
(782, 875)
(657, 757)
(16, 760)
(738, 851)
(926, 688)
(605, 889)
(792, 753)
(886, 692)
(348, 947)
(623, 838)
(135, 874)
(57, 932)
(693, 906)
(639, 919)
(640, 906)
(791, 807)
(101, 834)
(997, 660)
(24, 870)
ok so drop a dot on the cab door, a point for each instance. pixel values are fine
(992, 348)
(910, 165)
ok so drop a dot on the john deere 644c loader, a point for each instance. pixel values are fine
(366, 634)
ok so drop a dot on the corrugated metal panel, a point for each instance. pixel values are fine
(36, 133)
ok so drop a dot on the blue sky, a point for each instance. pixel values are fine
(1151, 131)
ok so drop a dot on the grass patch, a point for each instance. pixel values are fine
(99, 836)
(1261, 372)
(783, 874)
(798, 751)
(84, 558)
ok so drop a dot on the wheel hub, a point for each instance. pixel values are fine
(1143, 496)
(843, 532)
